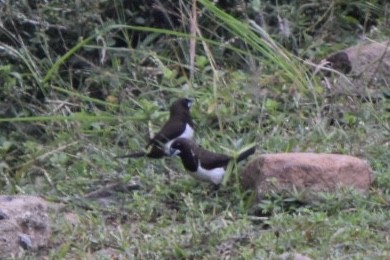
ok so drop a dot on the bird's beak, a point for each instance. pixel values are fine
(189, 102)
(174, 152)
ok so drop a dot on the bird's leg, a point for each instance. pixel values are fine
(167, 171)
(213, 189)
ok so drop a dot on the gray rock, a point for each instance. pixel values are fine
(367, 66)
(25, 224)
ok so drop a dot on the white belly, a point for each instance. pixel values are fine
(188, 134)
(214, 176)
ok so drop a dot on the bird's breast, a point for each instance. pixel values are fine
(188, 133)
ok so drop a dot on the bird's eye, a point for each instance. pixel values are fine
(188, 103)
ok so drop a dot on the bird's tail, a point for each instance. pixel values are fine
(245, 154)
(132, 155)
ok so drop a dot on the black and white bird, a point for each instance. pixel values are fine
(202, 164)
(179, 125)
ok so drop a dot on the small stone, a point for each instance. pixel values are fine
(3, 215)
(25, 241)
(293, 256)
(107, 253)
(340, 61)
(7, 198)
(72, 218)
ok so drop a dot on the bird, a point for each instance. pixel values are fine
(179, 125)
(202, 164)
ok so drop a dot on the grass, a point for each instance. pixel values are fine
(63, 148)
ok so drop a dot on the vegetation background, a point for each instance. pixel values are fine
(84, 81)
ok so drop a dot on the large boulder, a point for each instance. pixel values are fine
(305, 172)
(24, 224)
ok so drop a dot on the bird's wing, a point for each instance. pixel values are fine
(171, 130)
(210, 160)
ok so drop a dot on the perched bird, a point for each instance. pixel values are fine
(179, 125)
(202, 164)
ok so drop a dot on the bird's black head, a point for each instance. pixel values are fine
(182, 105)
(180, 146)
(175, 148)
(185, 148)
